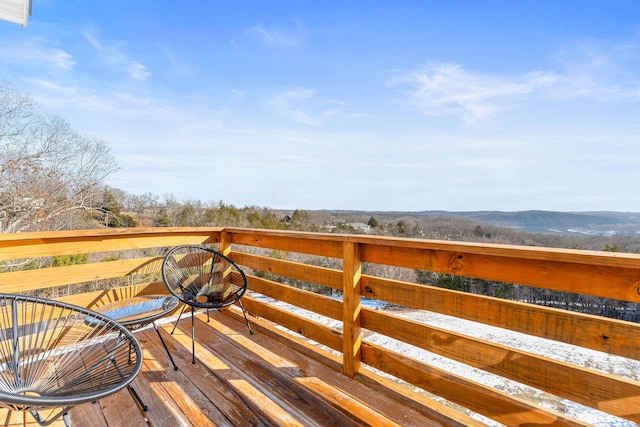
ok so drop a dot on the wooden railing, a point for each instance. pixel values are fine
(128, 262)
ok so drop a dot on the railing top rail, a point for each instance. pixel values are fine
(108, 232)
(576, 256)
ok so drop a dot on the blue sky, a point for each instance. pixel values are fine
(366, 105)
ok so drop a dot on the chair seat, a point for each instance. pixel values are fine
(139, 311)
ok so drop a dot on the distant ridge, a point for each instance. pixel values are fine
(600, 223)
(604, 222)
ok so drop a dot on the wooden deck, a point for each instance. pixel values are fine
(268, 378)
(274, 379)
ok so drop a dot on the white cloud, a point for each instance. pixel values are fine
(178, 64)
(593, 70)
(137, 71)
(442, 89)
(61, 59)
(277, 36)
(53, 86)
(303, 106)
(237, 95)
(36, 51)
(113, 54)
(283, 104)
(601, 70)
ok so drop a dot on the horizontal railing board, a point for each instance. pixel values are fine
(607, 281)
(484, 400)
(305, 327)
(68, 245)
(289, 242)
(615, 395)
(305, 272)
(311, 301)
(577, 256)
(26, 280)
(594, 332)
(42, 236)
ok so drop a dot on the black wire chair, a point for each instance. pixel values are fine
(57, 355)
(203, 278)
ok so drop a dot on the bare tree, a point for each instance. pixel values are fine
(16, 110)
(141, 203)
(47, 170)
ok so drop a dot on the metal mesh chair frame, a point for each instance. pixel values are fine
(137, 312)
(58, 355)
(202, 277)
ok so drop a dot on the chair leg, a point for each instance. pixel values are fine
(129, 386)
(179, 316)
(246, 319)
(175, 368)
(64, 413)
(133, 391)
(193, 334)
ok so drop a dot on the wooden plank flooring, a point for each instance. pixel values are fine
(265, 379)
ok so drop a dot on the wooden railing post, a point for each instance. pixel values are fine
(225, 243)
(352, 340)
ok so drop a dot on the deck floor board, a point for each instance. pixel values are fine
(269, 378)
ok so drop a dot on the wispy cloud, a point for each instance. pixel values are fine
(185, 117)
(602, 70)
(53, 86)
(442, 89)
(60, 59)
(178, 64)
(236, 94)
(113, 54)
(304, 106)
(55, 96)
(37, 51)
(284, 104)
(589, 70)
(278, 36)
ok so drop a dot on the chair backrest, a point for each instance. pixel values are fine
(202, 277)
(54, 354)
